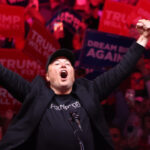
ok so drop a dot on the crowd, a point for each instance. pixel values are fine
(127, 110)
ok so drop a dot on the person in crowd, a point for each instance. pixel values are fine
(77, 41)
(133, 128)
(6, 119)
(93, 20)
(144, 66)
(121, 110)
(116, 137)
(65, 113)
(9, 114)
(144, 142)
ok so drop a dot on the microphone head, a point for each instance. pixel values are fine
(74, 115)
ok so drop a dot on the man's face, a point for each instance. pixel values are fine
(61, 75)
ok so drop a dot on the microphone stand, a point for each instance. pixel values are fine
(75, 118)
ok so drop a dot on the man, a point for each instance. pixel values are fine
(67, 114)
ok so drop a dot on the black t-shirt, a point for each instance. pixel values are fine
(57, 129)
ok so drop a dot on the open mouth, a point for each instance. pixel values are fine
(63, 73)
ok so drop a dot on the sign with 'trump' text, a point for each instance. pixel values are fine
(40, 43)
(103, 49)
(114, 18)
(141, 11)
(20, 63)
(11, 21)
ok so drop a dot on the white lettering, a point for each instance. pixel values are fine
(116, 16)
(101, 45)
(108, 56)
(91, 53)
(16, 19)
(75, 105)
(38, 42)
(100, 54)
(26, 66)
(12, 21)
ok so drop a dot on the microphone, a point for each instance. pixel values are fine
(75, 118)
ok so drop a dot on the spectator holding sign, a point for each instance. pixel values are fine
(66, 113)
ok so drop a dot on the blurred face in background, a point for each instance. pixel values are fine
(94, 9)
(138, 108)
(76, 41)
(115, 134)
(137, 81)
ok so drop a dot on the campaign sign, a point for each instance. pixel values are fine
(11, 21)
(114, 18)
(71, 20)
(102, 49)
(40, 43)
(18, 62)
(7, 102)
(141, 11)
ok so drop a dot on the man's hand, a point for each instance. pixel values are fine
(143, 27)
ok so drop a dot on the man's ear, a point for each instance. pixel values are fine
(47, 77)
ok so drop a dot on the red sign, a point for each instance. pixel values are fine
(114, 18)
(140, 11)
(11, 21)
(18, 62)
(40, 43)
(7, 102)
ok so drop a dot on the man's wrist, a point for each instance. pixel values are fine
(142, 40)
